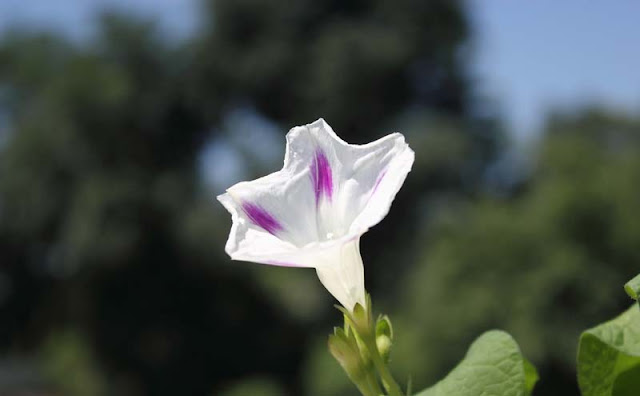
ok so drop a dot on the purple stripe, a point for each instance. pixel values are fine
(261, 218)
(321, 176)
(375, 187)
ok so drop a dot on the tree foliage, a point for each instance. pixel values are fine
(111, 247)
(107, 234)
(543, 264)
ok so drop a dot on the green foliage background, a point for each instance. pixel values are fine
(113, 278)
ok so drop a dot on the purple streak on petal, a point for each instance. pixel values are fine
(321, 176)
(375, 187)
(261, 218)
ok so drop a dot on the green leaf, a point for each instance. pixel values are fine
(633, 288)
(493, 365)
(609, 357)
(530, 376)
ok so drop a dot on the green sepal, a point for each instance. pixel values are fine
(360, 318)
(383, 326)
(344, 349)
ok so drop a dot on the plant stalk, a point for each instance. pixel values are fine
(388, 381)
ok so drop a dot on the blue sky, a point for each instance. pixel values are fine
(530, 55)
(76, 17)
(534, 55)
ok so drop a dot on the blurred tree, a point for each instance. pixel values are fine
(97, 188)
(544, 264)
(354, 62)
(368, 68)
(104, 229)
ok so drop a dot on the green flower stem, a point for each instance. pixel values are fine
(367, 390)
(389, 383)
(373, 383)
(360, 334)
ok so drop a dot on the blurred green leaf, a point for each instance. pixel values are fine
(69, 363)
(530, 376)
(609, 357)
(255, 386)
(493, 365)
(633, 288)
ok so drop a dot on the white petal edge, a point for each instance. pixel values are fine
(387, 186)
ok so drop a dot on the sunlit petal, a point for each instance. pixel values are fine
(313, 211)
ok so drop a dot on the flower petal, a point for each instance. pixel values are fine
(365, 178)
(378, 173)
(327, 194)
(273, 215)
(343, 274)
(250, 242)
(247, 240)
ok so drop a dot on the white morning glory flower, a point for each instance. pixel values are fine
(312, 212)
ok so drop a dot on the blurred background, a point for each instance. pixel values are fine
(121, 120)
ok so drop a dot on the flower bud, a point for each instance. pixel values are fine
(384, 337)
(384, 347)
(345, 350)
